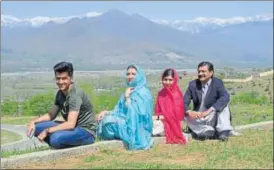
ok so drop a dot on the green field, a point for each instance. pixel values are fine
(252, 150)
(32, 94)
(248, 113)
(250, 103)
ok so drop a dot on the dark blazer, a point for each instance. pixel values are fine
(216, 96)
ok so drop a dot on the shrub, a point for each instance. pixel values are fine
(105, 100)
(39, 104)
(9, 107)
(250, 98)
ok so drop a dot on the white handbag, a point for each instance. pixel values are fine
(158, 127)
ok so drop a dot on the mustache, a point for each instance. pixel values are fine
(200, 76)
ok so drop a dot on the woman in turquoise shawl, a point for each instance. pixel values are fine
(131, 119)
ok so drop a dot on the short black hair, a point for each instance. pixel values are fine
(131, 66)
(64, 67)
(168, 72)
(208, 64)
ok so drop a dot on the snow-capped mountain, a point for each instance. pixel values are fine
(11, 21)
(197, 25)
(202, 24)
(115, 39)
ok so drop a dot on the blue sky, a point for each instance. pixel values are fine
(153, 10)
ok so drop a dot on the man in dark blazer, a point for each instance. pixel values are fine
(210, 116)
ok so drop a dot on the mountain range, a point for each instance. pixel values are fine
(114, 39)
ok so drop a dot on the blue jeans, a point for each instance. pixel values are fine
(64, 138)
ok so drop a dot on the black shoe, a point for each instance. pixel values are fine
(194, 135)
(223, 136)
(205, 136)
(202, 137)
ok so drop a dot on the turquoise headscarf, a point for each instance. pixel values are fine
(136, 128)
(139, 80)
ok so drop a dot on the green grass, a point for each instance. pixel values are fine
(248, 113)
(261, 85)
(252, 150)
(242, 114)
(7, 154)
(21, 120)
(7, 137)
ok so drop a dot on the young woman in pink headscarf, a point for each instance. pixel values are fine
(170, 108)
